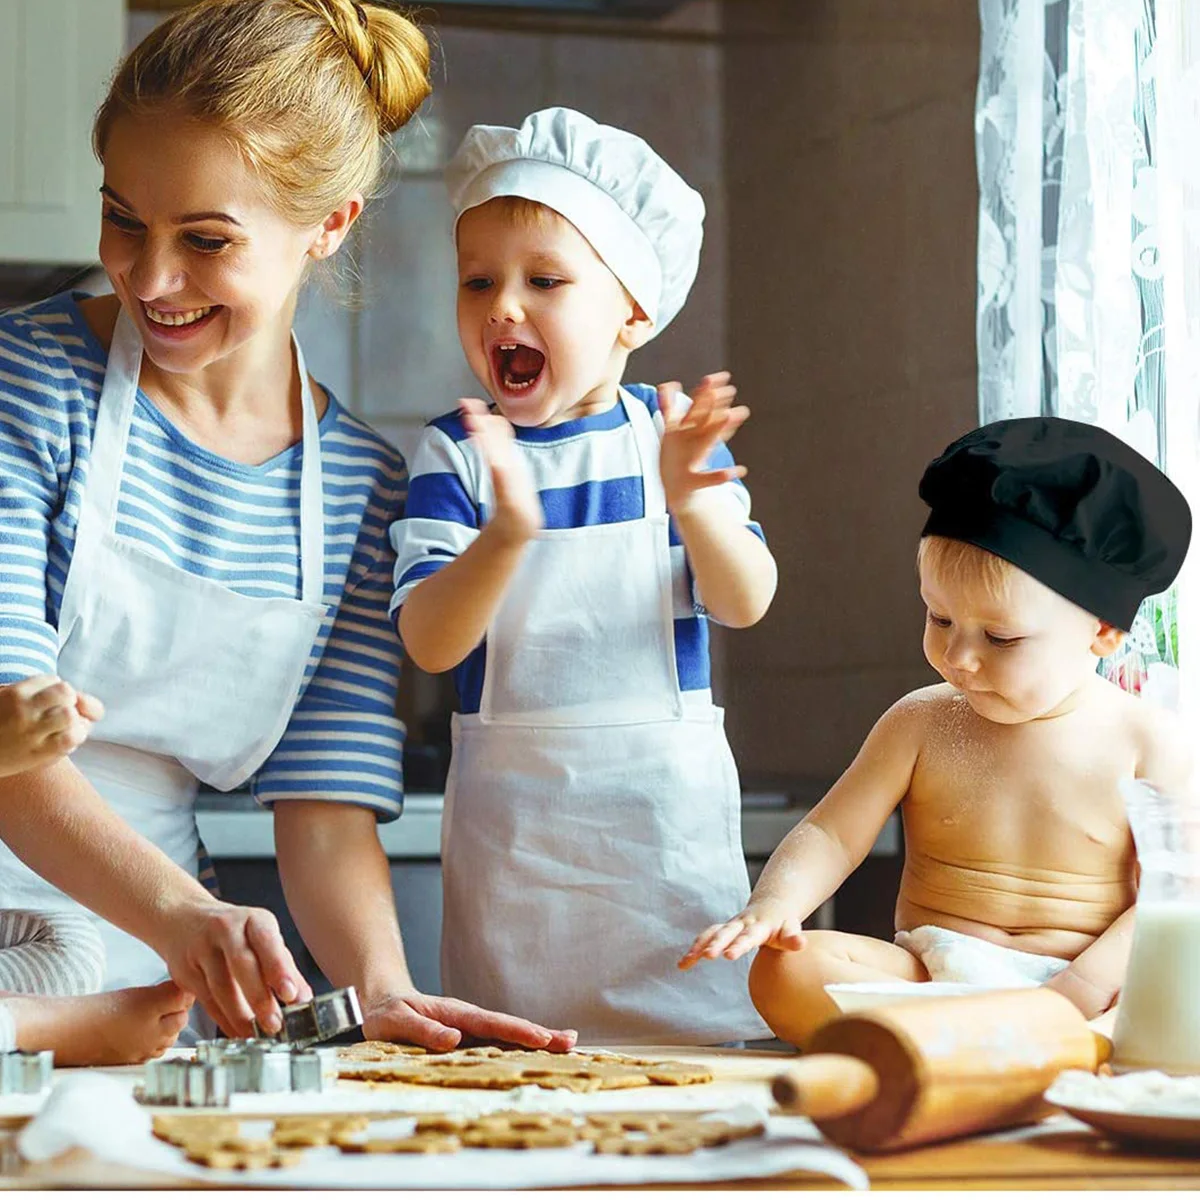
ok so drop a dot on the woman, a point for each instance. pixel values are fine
(196, 532)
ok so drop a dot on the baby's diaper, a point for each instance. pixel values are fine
(953, 957)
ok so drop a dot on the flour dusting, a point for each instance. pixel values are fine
(1141, 1092)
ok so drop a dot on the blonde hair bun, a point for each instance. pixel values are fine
(309, 90)
(390, 52)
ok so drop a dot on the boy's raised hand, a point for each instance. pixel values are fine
(756, 925)
(692, 433)
(41, 719)
(518, 516)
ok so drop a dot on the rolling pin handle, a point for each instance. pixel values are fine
(824, 1086)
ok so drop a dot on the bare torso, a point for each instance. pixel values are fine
(1017, 833)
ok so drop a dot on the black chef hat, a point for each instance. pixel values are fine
(1068, 503)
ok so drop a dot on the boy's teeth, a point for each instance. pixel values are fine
(177, 318)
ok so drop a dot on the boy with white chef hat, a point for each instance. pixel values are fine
(562, 550)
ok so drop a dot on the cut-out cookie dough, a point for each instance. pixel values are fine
(313, 1129)
(376, 1051)
(418, 1143)
(521, 1139)
(217, 1141)
(223, 1159)
(617, 1123)
(441, 1123)
(654, 1143)
(180, 1129)
(490, 1068)
(608, 1133)
(683, 1135)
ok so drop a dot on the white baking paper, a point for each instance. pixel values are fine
(123, 1137)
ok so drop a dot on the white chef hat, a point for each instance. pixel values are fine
(640, 217)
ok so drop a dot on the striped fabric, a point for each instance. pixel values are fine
(586, 472)
(236, 524)
(50, 953)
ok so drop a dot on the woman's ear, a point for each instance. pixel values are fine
(637, 330)
(335, 227)
(1107, 640)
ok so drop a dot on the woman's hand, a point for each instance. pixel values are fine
(692, 433)
(42, 719)
(518, 516)
(439, 1023)
(234, 960)
(756, 925)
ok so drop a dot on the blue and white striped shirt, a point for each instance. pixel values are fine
(238, 525)
(586, 472)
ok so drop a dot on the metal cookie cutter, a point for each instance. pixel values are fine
(270, 1068)
(307, 1072)
(186, 1084)
(225, 1067)
(319, 1019)
(25, 1074)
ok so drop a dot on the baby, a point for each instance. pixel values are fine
(48, 960)
(1044, 537)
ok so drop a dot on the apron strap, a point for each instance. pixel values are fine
(312, 501)
(647, 443)
(649, 449)
(114, 416)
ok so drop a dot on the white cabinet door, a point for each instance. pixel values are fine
(56, 58)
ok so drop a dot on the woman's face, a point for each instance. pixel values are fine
(196, 253)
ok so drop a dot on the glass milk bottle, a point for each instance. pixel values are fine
(1158, 1021)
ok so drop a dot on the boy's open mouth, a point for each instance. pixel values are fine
(517, 367)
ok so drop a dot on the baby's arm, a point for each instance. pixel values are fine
(446, 615)
(813, 861)
(734, 571)
(1094, 979)
(41, 719)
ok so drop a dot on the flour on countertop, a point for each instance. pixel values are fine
(1140, 1091)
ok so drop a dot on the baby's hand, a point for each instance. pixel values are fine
(691, 435)
(756, 925)
(1090, 998)
(518, 514)
(41, 719)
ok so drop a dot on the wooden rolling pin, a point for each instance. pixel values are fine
(891, 1077)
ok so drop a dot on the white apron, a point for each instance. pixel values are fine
(592, 820)
(198, 682)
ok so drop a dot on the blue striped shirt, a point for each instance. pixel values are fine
(586, 472)
(238, 525)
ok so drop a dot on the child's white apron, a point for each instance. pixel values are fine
(198, 682)
(592, 819)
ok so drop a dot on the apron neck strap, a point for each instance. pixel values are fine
(647, 443)
(649, 448)
(111, 437)
(312, 503)
(114, 415)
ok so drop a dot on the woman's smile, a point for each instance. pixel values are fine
(179, 324)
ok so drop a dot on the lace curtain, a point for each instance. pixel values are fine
(1089, 252)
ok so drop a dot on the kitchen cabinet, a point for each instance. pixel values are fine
(56, 58)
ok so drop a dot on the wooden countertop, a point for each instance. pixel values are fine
(1051, 1156)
